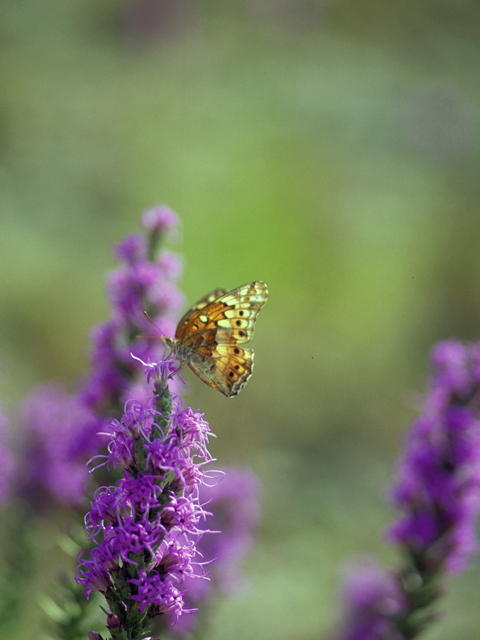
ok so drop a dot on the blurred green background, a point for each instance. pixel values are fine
(330, 149)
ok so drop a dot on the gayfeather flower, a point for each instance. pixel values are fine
(374, 598)
(145, 529)
(160, 220)
(60, 428)
(147, 549)
(437, 491)
(438, 485)
(146, 281)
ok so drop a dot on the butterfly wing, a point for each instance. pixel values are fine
(211, 334)
(225, 368)
(201, 304)
(231, 316)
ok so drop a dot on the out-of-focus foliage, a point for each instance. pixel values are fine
(330, 149)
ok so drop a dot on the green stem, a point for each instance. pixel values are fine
(164, 406)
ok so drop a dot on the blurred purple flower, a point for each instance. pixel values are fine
(438, 493)
(7, 464)
(160, 219)
(137, 286)
(60, 435)
(372, 597)
(235, 503)
(132, 249)
(438, 484)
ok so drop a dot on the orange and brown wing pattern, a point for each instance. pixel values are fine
(209, 334)
(233, 368)
(201, 304)
(232, 315)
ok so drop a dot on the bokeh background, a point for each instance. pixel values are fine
(330, 149)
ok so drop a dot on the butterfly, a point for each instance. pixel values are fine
(208, 335)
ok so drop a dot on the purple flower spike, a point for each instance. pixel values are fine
(62, 430)
(372, 597)
(438, 485)
(146, 527)
(146, 281)
(438, 494)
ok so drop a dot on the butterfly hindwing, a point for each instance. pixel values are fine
(226, 368)
(235, 366)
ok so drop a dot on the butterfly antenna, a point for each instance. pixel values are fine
(154, 323)
(140, 335)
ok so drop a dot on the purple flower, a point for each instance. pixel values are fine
(160, 595)
(105, 510)
(132, 249)
(137, 286)
(234, 500)
(437, 492)
(61, 430)
(145, 528)
(101, 388)
(438, 484)
(147, 547)
(145, 282)
(160, 219)
(7, 464)
(372, 598)
(60, 434)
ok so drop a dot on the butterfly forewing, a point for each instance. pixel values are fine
(201, 304)
(233, 314)
(208, 335)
